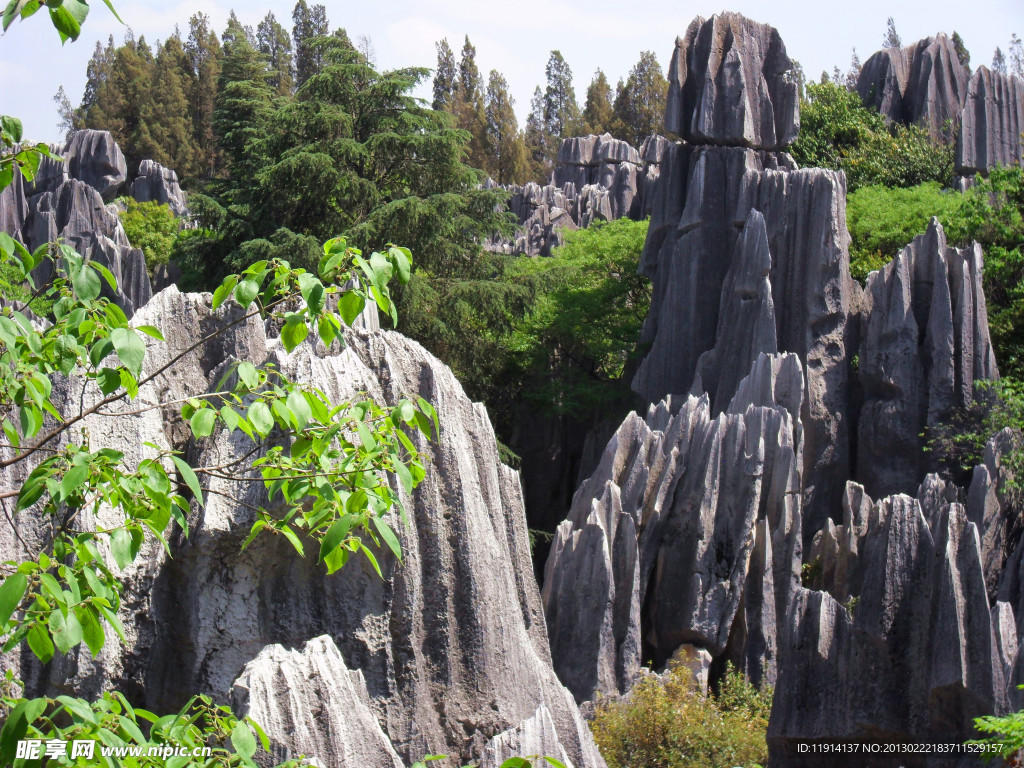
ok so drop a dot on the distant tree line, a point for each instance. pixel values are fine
(508, 154)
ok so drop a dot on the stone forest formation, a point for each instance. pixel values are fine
(769, 503)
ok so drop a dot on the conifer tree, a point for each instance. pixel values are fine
(598, 114)
(244, 99)
(961, 51)
(538, 142)
(561, 112)
(1016, 56)
(470, 113)
(97, 74)
(235, 32)
(506, 150)
(273, 41)
(640, 102)
(445, 78)
(891, 39)
(166, 132)
(68, 121)
(999, 61)
(204, 56)
(308, 23)
(853, 73)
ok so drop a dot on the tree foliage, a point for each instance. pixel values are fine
(598, 112)
(640, 101)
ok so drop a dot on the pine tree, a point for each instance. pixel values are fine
(961, 51)
(1016, 56)
(204, 56)
(999, 61)
(68, 121)
(891, 39)
(97, 73)
(445, 78)
(244, 98)
(236, 32)
(538, 141)
(273, 41)
(307, 24)
(470, 113)
(506, 149)
(166, 133)
(853, 73)
(598, 114)
(561, 112)
(640, 102)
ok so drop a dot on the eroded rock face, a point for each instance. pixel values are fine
(923, 83)
(991, 123)
(596, 178)
(71, 198)
(925, 342)
(914, 655)
(451, 644)
(158, 184)
(673, 534)
(731, 82)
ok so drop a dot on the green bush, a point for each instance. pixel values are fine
(151, 226)
(837, 131)
(882, 220)
(664, 723)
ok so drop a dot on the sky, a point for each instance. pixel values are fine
(516, 40)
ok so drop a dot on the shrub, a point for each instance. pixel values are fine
(151, 226)
(664, 723)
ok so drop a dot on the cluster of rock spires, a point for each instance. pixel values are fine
(447, 654)
(774, 509)
(596, 178)
(926, 84)
(72, 199)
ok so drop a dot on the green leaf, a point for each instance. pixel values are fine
(130, 348)
(290, 535)
(121, 547)
(224, 290)
(66, 631)
(399, 258)
(248, 374)
(294, 332)
(39, 642)
(86, 283)
(388, 535)
(203, 421)
(189, 476)
(326, 330)
(554, 762)
(11, 593)
(404, 476)
(107, 275)
(260, 418)
(243, 741)
(302, 414)
(371, 558)
(73, 480)
(92, 632)
(246, 292)
(335, 535)
(351, 305)
(150, 330)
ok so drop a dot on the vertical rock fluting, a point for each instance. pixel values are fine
(451, 645)
(923, 84)
(70, 199)
(925, 342)
(991, 123)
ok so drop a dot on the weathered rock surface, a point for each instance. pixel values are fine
(451, 644)
(925, 342)
(596, 178)
(704, 196)
(158, 184)
(921, 84)
(914, 656)
(660, 550)
(731, 82)
(991, 123)
(70, 199)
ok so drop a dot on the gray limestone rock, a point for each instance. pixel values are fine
(94, 158)
(991, 123)
(158, 184)
(923, 84)
(925, 341)
(310, 704)
(661, 540)
(731, 82)
(704, 196)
